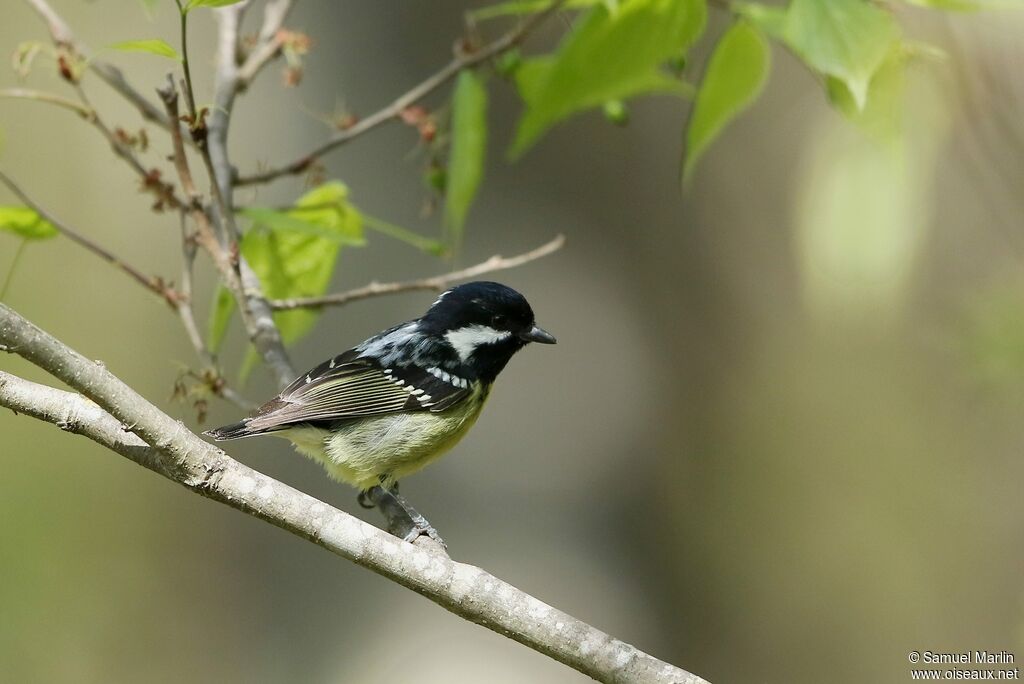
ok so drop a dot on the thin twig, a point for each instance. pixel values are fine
(152, 283)
(190, 97)
(164, 192)
(439, 282)
(257, 316)
(268, 43)
(60, 33)
(49, 98)
(170, 449)
(187, 314)
(205, 234)
(394, 110)
(150, 182)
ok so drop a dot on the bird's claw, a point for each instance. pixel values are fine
(423, 528)
(366, 500)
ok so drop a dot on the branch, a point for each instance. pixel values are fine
(394, 110)
(75, 414)
(59, 30)
(50, 98)
(268, 43)
(257, 316)
(439, 282)
(178, 454)
(152, 283)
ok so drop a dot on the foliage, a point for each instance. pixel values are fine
(614, 50)
(153, 46)
(732, 81)
(192, 4)
(469, 146)
(25, 223)
(294, 253)
(608, 55)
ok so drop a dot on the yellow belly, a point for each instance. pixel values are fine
(392, 445)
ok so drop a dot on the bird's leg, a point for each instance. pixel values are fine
(403, 520)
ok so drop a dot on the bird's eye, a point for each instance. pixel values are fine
(498, 321)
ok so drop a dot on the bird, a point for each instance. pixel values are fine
(394, 403)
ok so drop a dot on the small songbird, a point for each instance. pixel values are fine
(389, 406)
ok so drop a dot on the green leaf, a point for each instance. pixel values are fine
(882, 117)
(298, 220)
(424, 244)
(26, 223)
(846, 39)
(616, 112)
(294, 262)
(768, 18)
(469, 149)
(732, 81)
(192, 4)
(220, 316)
(154, 46)
(607, 56)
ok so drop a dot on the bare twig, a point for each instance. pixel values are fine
(394, 110)
(164, 193)
(152, 283)
(257, 316)
(439, 282)
(186, 312)
(205, 234)
(50, 98)
(164, 445)
(268, 43)
(60, 33)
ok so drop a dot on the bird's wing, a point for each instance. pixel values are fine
(348, 386)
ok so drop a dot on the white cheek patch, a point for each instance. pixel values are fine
(466, 340)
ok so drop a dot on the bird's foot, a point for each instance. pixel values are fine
(403, 521)
(422, 528)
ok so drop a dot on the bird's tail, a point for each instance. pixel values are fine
(233, 431)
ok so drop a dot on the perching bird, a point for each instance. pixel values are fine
(389, 406)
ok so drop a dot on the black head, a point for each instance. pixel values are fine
(485, 323)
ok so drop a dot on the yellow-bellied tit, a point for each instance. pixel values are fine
(391, 405)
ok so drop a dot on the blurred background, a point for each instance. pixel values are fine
(779, 439)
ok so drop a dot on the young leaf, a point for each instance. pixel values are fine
(734, 78)
(768, 18)
(298, 220)
(469, 148)
(846, 39)
(26, 223)
(424, 244)
(154, 46)
(882, 117)
(607, 56)
(192, 4)
(299, 263)
(220, 316)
